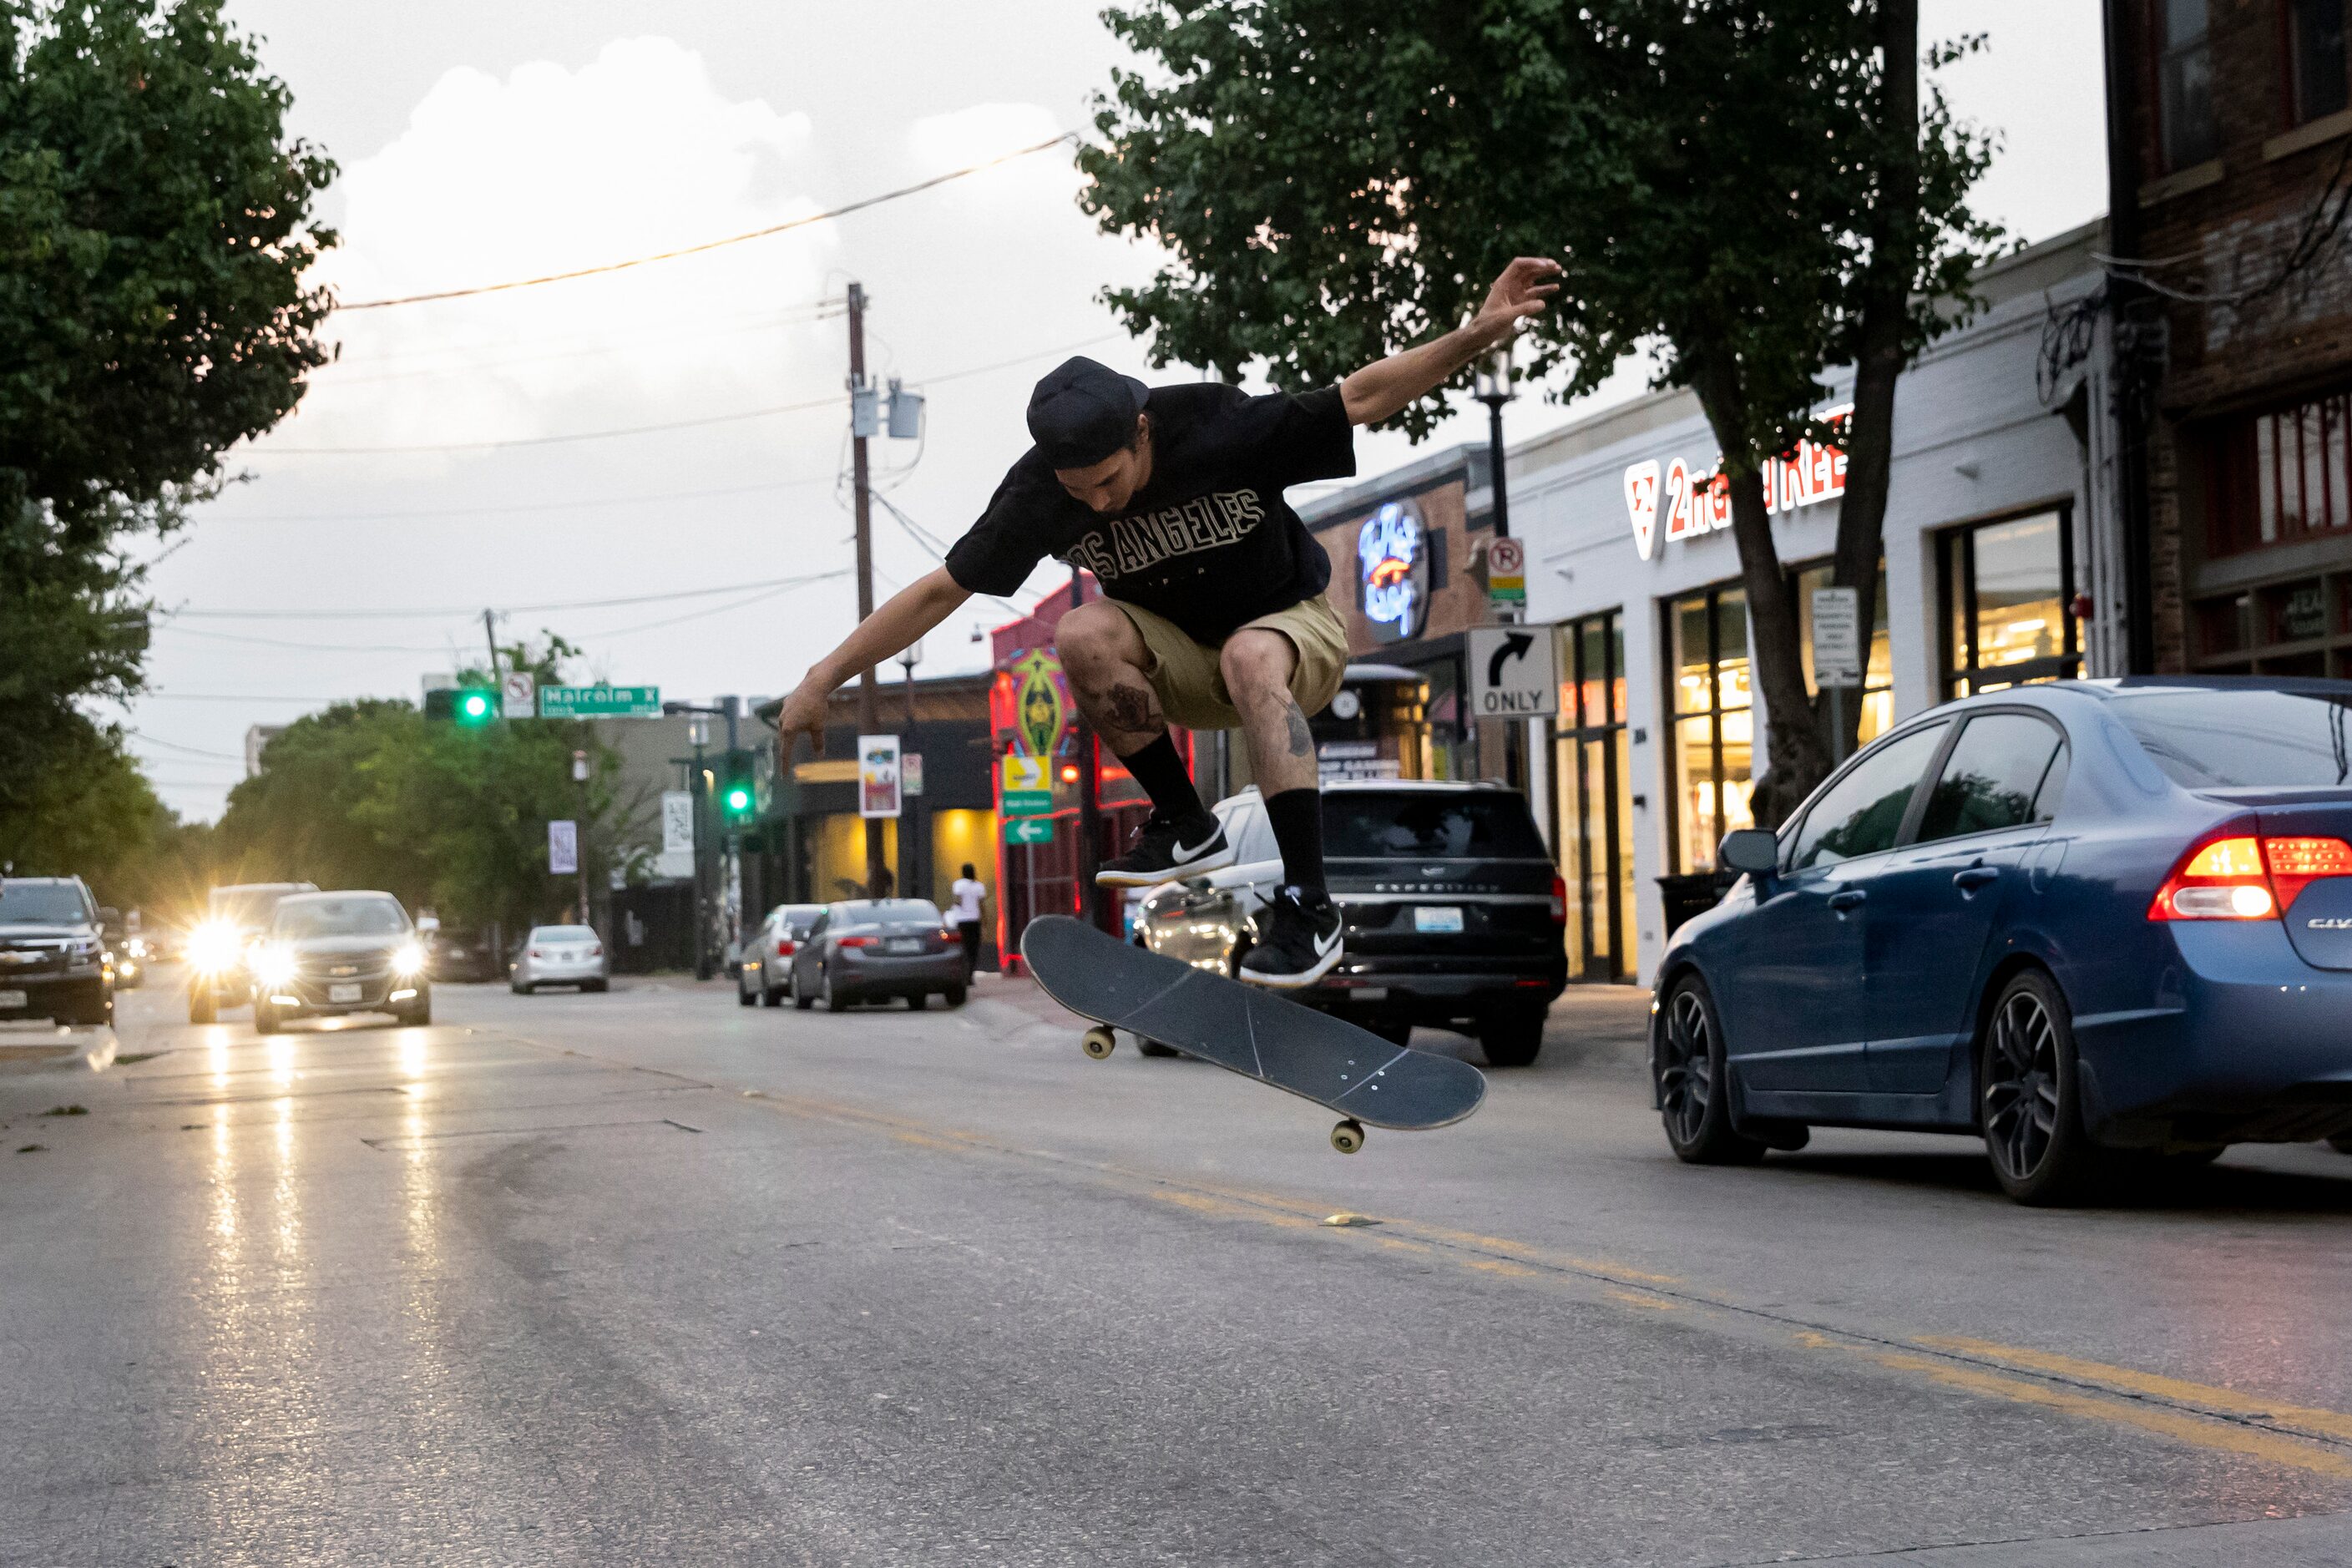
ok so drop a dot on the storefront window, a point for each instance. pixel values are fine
(2007, 592)
(1713, 728)
(1594, 777)
(2300, 627)
(1878, 675)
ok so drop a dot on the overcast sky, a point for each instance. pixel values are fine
(480, 143)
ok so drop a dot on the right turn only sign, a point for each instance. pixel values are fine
(1513, 674)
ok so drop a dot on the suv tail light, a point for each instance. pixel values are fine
(2243, 878)
(1559, 900)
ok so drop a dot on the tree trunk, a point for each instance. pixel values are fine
(1878, 349)
(1775, 660)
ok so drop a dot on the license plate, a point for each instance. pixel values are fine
(1370, 994)
(12, 999)
(903, 944)
(348, 992)
(1443, 919)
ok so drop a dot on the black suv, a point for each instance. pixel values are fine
(53, 958)
(1454, 915)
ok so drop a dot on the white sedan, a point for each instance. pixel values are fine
(559, 956)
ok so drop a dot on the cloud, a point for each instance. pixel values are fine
(549, 170)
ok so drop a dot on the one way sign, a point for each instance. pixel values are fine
(1512, 673)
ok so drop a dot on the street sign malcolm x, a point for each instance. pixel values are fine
(600, 702)
(1513, 673)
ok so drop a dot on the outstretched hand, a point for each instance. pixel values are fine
(1518, 294)
(804, 713)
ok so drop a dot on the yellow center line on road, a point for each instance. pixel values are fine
(2199, 1415)
(2310, 1421)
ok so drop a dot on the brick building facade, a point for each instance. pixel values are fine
(2232, 127)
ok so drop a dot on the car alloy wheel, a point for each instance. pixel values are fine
(2026, 1095)
(1693, 1093)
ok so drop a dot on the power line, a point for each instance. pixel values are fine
(834, 402)
(175, 746)
(443, 613)
(761, 595)
(518, 507)
(228, 697)
(307, 647)
(843, 211)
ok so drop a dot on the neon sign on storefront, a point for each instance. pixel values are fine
(1677, 502)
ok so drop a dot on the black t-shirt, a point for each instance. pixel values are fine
(1209, 543)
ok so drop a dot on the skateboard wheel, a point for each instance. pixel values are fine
(1099, 1043)
(1349, 1136)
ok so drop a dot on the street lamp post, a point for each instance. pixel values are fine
(1492, 386)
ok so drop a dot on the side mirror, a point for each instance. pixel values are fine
(1750, 849)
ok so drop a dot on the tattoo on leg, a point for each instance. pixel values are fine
(1302, 739)
(1129, 709)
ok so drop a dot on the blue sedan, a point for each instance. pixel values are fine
(2108, 925)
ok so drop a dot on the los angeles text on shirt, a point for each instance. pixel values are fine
(1144, 540)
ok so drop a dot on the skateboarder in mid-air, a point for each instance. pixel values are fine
(1212, 615)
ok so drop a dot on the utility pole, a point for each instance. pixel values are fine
(914, 854)
(580, 843)
(862, 410)
(1089, 797)
(491, 639)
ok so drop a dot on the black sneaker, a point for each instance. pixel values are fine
(1297, 939)
(1168, 851)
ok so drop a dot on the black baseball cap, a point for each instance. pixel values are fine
(1083, 411)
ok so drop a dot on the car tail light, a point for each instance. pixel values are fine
(854, 942)
(783, 947)
(597, 950)
(1559, 900)
(2243, 878)
(2296, 863)
(536, 953)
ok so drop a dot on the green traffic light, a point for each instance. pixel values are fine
(477, 705)
(738, 799)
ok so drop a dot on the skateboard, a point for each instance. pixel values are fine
(1248, 1030)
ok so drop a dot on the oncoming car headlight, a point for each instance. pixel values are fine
(408, 958)
(272, 966)
(213, 947)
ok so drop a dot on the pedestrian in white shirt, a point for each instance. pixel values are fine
(963, 913)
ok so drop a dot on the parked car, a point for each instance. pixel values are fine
(1453, 911)
(559, 956)
(53, 959)
(455, 956)
(2088, 922)
(327, 954)
(764, 973)
(866, 950)
(217, 949)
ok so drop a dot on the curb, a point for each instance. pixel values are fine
(51, 1049)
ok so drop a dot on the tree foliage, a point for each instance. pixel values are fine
(448, 817)
(155, 232)
(1734, 188)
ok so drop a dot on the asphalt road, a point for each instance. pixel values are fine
(647, 1277)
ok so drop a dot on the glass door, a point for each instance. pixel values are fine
(1594, 780)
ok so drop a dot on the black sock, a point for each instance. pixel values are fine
(1162, 775)
(1297, 817)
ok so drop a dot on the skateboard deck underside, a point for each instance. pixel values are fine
(1246, 1030)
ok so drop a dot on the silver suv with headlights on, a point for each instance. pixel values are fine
(329, 953)
(217, 949)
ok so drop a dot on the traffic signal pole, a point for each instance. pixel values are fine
(869, 711)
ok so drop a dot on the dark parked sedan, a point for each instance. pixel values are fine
(869, 949)
(2089, 922)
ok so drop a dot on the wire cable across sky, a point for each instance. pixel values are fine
(843, 211)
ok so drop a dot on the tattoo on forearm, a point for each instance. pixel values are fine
(1302, 739)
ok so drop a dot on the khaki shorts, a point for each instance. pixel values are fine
(1191, 685)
